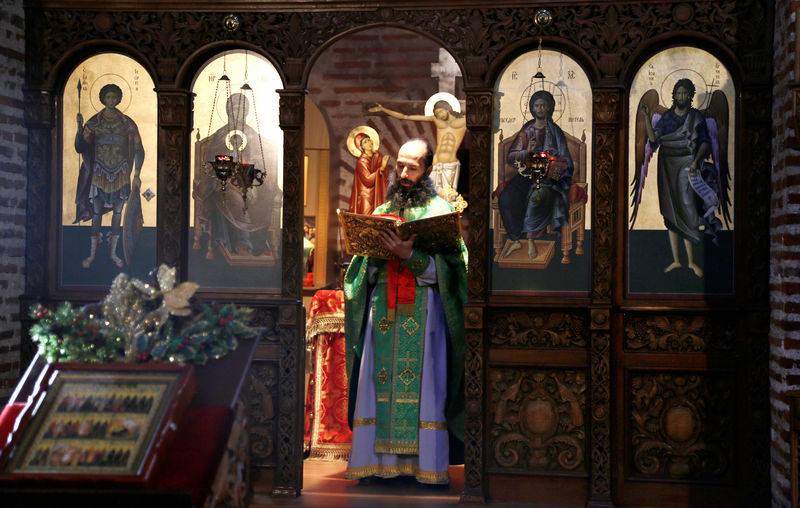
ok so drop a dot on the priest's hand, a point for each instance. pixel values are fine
(400, 248)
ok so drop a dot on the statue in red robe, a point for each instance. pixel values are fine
(370, 177)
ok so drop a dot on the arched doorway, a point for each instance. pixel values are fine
(379, 83)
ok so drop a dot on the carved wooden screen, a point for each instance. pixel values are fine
(537, 391)
(553, 380)
(678, 385)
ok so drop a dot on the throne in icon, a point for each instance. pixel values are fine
(576, 227)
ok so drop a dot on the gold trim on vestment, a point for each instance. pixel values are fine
(364, 422)
(439, 477)
(433, 477)
(330, 452)
(406, 400)
(324, 323)
(397, 449)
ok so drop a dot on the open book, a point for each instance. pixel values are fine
(438, 234)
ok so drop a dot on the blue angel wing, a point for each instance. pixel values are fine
(716, 115)
(642, 149)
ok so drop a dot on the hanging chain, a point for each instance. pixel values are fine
(539, 66)
(213, 107)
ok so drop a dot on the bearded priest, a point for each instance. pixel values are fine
(404, 330)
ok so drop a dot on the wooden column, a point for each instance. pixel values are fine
(607, 155)
(479, 109)
(39, 108)
(289, 475)
(172, 208)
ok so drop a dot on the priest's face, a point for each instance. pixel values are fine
(410, 166)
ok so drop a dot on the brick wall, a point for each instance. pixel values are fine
(392, 66)
(785, 254)
(399, 69)
(13, 142)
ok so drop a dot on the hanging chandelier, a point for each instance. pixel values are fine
(536, 167)
(231, 168)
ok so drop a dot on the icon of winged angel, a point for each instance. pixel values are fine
(693, 175)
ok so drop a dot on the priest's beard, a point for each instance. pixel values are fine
(409, 197)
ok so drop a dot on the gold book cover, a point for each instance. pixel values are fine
(557, 167)
(438, 234)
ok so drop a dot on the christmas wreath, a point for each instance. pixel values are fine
(140, 322)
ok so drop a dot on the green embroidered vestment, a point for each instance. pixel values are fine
(399, 339)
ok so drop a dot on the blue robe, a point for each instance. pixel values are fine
(525, 209)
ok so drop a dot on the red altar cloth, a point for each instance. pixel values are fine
(9, 415)
(327, 434)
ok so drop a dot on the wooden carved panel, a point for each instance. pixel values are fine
(36, 264)
(172, 166)
(603, 214)
(681, 425)
(291, 104)
(39, 108)
(600, 426)
(679, 333)
(538, 329)
(608, 33)
(478, 111)
(288, 477)
(607, 106)
(476, 213)
(757, 158)
(537, 421)
(266, 319)
(262, 412)
(173, 109)
(612, 33)
(38, 115)
(474, 483)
